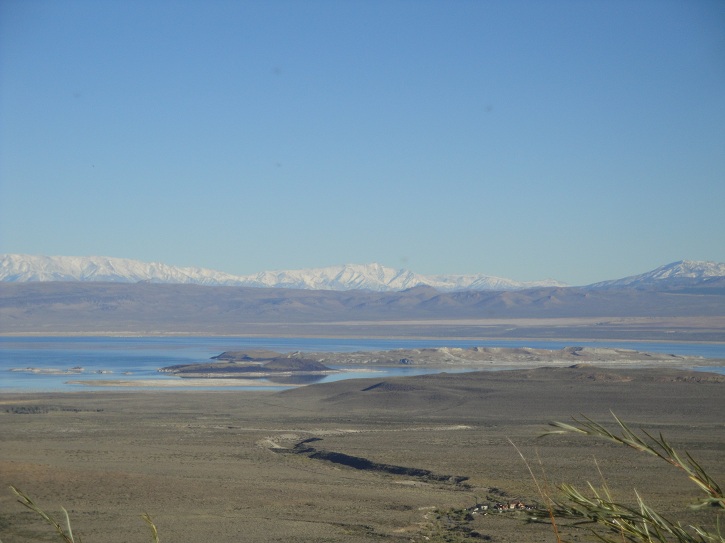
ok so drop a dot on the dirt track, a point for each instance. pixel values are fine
(201, 464)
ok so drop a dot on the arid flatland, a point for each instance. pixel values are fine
(220, 466)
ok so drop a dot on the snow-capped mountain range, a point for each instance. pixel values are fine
(677, 272)
(373, 277)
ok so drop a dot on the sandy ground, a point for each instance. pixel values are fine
(218, 466)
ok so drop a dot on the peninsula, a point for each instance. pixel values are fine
(264, 363)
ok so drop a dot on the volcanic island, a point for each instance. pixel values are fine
(251, 364)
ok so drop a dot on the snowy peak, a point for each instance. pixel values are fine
(346, 277)
(375, 277)
(680, 272)
(25, 268)
(688, 268)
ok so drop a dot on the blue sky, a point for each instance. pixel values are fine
(581, 141)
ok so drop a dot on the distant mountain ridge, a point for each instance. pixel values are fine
(372, 277)
(681, 272)
(683, 301)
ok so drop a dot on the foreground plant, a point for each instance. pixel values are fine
(639, 523)
(66, 533)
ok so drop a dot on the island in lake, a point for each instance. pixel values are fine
(257, 363)
(265, 363)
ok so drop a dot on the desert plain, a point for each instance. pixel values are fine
(396, 459)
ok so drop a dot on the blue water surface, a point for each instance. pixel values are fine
(134, 358)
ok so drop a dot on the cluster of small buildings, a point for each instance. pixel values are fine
(500, 507)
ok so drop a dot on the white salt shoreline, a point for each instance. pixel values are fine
(488, 366)
(173, 383)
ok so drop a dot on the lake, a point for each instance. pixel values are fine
(136, 358)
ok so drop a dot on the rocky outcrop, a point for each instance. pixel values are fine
(252, 363)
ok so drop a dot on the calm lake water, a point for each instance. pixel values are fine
(134, 358)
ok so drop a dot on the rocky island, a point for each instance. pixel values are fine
(247, 364)
(506, 357)
(265, 363)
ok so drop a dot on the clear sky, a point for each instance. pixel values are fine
(577, 140)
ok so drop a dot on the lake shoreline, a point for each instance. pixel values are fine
(48, 363)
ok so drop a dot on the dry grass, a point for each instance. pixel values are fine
(638, 523)
(66, 532)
